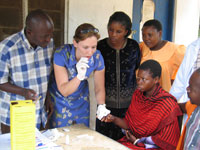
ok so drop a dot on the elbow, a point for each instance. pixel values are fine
(63, 92)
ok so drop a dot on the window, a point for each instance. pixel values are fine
(12, 19)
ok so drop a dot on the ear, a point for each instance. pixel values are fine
(156, 80)
(28, 31)
(160, 33)
(126, 32)
(75, 43)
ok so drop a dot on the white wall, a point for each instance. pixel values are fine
(187, 14)
(96, 12)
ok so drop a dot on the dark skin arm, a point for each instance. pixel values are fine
(28, 94)
(182, 106)
(49, 105)
(130, 136)
(116, 120)
(122, 124)
(49, 109)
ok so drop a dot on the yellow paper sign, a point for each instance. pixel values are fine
(22, 125)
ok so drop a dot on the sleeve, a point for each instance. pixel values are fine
(59, 59)
(179, 55)
(138, 56)
(5, 65)
(180, 83)
(100, 61)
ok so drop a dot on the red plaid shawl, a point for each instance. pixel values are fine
(154, 116)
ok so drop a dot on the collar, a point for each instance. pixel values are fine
(25, 40)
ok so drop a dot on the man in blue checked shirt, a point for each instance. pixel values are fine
(25, 59)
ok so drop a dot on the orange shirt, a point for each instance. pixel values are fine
(169, 56)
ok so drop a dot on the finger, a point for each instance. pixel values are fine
(33, 97)
(127, 136)
(84, 65)
(129, 133)
(103, 119)
(126, 133)
(50, 112)
(84, 59)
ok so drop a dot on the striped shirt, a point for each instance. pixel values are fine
(192, 136)
(26, 67)
(197, 62)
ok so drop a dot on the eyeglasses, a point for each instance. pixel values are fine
(95, 30)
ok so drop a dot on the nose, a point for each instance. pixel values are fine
(113, 34)
(91, 51)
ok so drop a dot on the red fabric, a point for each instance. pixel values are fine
(154, 116)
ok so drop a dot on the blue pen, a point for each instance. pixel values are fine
(40, 144)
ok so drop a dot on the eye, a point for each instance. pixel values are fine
(118, 31)
(110, 30)
(94, 47)
(85, 47)
(149, 35)
(143, 79)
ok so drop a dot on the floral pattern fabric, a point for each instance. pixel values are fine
(75, 107)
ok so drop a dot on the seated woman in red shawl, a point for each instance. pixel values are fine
(151, 121)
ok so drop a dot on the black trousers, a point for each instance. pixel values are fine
(110, 129)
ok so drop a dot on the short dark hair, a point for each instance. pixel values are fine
(123, 19)
(155, 23)
(152, 66)
(36, 16)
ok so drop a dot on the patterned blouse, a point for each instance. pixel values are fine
(75, 107)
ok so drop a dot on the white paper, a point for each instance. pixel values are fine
(42, 142)
(5, 142)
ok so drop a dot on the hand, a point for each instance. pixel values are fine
(108, 118)
(102, 111)
(81, 67)
(29, 94)
(49, 105)
(130, 136)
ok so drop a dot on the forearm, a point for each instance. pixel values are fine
(120, 122)
(69, 87)
(8, 87)
(99, 82)
(100, 96)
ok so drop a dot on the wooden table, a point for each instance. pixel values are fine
(83, 138)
